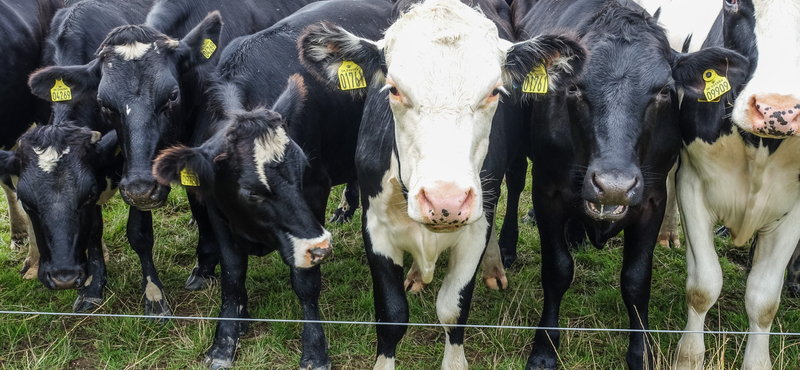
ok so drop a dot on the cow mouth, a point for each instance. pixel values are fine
(605, 211)
(442, 228)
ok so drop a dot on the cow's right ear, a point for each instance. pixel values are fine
(190, 167)
(8, 163)
(549, 61)
(202, 42)
(325, 47)
(65, 83)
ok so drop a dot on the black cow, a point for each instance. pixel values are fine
(602, 148)
(151, 87)
(432, 130)
(256, 206)
(23, 29)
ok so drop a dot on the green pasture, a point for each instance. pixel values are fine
(52, 342)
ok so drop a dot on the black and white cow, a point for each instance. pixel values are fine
(602, 149)
(739, 165)
(433, 85)
(65, 174)
(151, 86)
(23, 28)
(261, 203)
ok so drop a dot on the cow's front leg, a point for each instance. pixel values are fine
(455, 296)
(348, 205)
(763, 292)
(494, 275)
(669, 227)
(19, 220)
(414, 283)
(704, 275)
(140, 236)
(307, 283)
(637, 270)
(207, 248)
(389, 297)
(234, 305)
(90, 295)
(793, 273)
(30, 267)
(509, 232)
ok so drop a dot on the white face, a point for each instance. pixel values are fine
(444, 68)
(770, 103)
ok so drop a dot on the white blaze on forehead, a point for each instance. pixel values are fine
(269, 148)
(48, 157)
(132, 51)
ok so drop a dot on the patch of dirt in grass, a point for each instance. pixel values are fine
(81, 364)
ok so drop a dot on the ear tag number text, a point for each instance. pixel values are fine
(60, 92)
(189, 178)
(536, 81)
(716, 86)
(351, 76)
(208, 48)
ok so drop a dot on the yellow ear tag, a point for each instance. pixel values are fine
(351, 76)
(189, 178)
(716, 86)
(208, 48)
(536, 81)
(118, 150)
(60, 92)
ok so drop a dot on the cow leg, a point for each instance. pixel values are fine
(763, 292)
(414, 283)
(557, 271)
(90, 295)
(306, 283)
(704, 275)
(30, 267)
(637, 270)
(140, 236)
(793, 273)
(494, 275)
(529, 217)
(207, 248)
(348, 205)
(19, 220)
(391, 304)
(669, 228)
(455, 295)
(509, 233)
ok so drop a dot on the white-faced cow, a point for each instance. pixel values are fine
(24, 26)
(602, 149)
(433, 84)
(739, 165)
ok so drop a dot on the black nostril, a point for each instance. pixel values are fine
(635, 183)
(596, 183)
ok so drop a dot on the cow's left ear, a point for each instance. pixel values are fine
(107, 148)
(190, 167)
(561, 57)
(691, 71)
(290, 104)
(202, 42)
(325, 50)
(8, 163)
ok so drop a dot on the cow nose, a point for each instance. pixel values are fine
(614, 188)
(775, 115)
(65, 278)
(446, 206)
(142, 193)
(320, 252)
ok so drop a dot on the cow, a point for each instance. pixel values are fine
(433, 84)
(739, 166)
(603, 147)
(262, 205)
(24, 26)
(66, 173)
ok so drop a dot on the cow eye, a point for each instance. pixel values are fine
(572, 90)
(730, 2)
(665, 93)
(393, 91)
(495, 92)
(173, 96)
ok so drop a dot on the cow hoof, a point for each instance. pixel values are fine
(18, 240)
(312, 367)
(196, 281)
(29, 272)
(340, 217)
(722, 232)
(496, 282)
(793, 290)
(414, 286)
(84, 304)
(541, 363)
(667, 238)
(508, 259)
(192, 222)
(157, 309)
(217, 363)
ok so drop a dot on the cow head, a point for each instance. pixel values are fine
(768, 32)
(443, 68)
(61, 182)
(627, 95)
(255, 171)
(136, 82)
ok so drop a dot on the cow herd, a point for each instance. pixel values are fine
(628, 109)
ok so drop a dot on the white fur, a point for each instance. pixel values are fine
(132, 51)
(393, 232)
(107, 193)
(152, 292)
(49, 157)
(302, 246)
(269, 148)
(684, 18)
(777, 32)
(384, 363)
(750, 191)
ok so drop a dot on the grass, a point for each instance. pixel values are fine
(53, 342)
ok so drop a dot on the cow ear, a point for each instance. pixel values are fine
(328, 52)
(107, 148)
(290, 104)
(190, 167)
(202, 42)
(65, 83)
(690, 70)
(557, 58)
(8, 163)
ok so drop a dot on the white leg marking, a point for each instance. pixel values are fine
(384, 363)
(494, 275)
(669, 228)
(152, 292)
